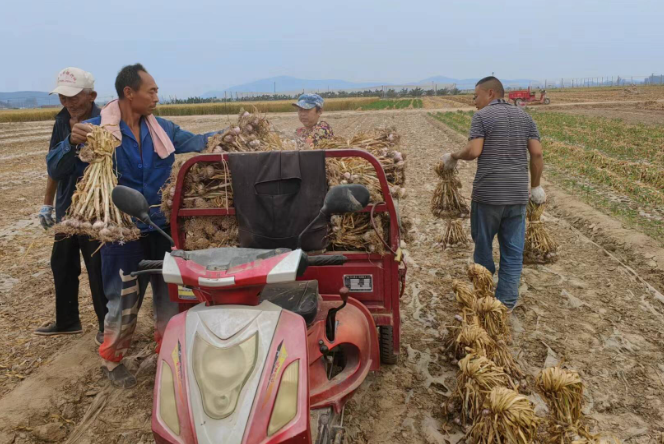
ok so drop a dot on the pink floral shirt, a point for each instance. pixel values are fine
(320, 131)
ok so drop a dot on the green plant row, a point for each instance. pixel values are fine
(613, 137)
(393, 104)
(593, 196)
(636, 191)
(459, 121)
(579, 147)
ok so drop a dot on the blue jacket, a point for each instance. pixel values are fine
(141, 169)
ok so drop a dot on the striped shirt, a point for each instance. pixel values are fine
(502, 168)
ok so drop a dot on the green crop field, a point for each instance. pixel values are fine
(393, 104)
(615, 166)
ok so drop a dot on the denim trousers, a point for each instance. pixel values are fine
(509, 223)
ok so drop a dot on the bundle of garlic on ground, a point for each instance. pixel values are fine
(91, 211)
(447, 201)
(540, 247)
(454, 234)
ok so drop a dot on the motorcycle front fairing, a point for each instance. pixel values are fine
(234, 375)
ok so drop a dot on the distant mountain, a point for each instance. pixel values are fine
(287, 84)
(27, 99)
(439, 79)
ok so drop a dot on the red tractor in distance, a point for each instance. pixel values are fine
(523, 96)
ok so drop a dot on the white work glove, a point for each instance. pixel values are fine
(448, 162)
(537, 195)
(46, 216)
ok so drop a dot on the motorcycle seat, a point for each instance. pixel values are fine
(220, 259)
(300, 297)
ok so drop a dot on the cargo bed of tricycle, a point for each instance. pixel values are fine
(375, 280)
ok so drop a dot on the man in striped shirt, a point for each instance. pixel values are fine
(500, 137)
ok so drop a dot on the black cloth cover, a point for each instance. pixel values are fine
(300, 297)
(276, 194)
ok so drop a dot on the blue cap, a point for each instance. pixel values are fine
(309, 101)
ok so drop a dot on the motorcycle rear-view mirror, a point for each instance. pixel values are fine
(348, 198)
(131, 202)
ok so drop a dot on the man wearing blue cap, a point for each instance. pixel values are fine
(309, 110)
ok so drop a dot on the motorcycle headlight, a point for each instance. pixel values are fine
(168, 411)
(222, 372)
(285, 405)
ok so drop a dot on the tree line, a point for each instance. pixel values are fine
(382, 93)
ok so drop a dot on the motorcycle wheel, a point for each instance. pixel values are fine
(386, 340)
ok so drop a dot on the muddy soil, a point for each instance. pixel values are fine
(596, 309)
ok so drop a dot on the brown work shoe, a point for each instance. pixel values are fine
(53, 329)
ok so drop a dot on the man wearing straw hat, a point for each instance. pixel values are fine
(501, 136)
(75, 88)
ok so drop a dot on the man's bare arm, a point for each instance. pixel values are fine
(536, 162)
(51, 187)
(472, 151)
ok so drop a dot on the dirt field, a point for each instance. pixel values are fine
(624, 93)
(599, 309)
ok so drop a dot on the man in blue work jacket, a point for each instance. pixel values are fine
(141, 168)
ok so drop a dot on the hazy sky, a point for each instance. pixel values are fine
(194, 46)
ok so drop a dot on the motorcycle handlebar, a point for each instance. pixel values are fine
(150, 265)
(323, 259)
(155, 267)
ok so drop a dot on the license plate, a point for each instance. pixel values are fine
(359, 283)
